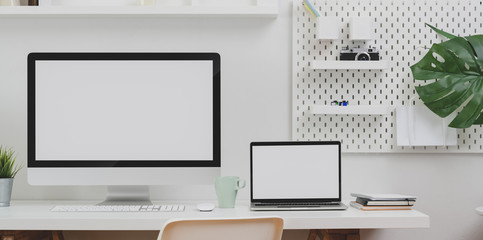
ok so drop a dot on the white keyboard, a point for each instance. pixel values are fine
(119, 208)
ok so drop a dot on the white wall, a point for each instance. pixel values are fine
(256, 105)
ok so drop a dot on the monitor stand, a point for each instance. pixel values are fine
(127, 195)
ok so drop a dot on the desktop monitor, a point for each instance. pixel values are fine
(123, 119)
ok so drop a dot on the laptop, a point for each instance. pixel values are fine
(295, 176)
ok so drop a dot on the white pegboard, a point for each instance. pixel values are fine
(400, 35)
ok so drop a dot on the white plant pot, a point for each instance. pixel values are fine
(6, 185)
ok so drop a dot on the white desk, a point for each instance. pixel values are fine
(36, 215)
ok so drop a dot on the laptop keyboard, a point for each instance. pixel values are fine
(292, 204)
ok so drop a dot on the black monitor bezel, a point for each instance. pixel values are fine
(295, 143)
(44, 56)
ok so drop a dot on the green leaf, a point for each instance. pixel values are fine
(477, 43)
(7, 163)
(443, 33)
(457, 65)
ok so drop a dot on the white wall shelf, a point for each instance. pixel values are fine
(351, 110)
(161, 11)
(382, 64)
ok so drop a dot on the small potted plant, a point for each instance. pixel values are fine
(8, 170)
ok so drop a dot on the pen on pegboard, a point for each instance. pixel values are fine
(311, 8)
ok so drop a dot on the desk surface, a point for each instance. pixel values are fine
(36, 215)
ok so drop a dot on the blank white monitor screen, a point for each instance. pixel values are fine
(295, 172)
(124, 110)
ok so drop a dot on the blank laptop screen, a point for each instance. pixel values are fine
(296, 172)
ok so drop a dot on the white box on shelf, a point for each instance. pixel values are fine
(361, 28)
(328, 28)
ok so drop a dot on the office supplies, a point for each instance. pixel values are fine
(374, 202)
(121, 119)
(341, 103)
(295, 176)
(205, 207)
(384, 196)
(378, 208)
(311, 9)
(118, 208)
(369, 202)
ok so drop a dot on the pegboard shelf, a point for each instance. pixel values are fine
(400, 34)
(351, 110)
(382, 64)
(158, 11)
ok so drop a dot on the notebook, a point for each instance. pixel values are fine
(295, 176)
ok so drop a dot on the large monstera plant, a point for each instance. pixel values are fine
(457, 66)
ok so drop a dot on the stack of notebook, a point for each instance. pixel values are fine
(374, 202)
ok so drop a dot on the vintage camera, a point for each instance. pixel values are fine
(359, 54)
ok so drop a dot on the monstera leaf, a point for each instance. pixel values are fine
(457, 66)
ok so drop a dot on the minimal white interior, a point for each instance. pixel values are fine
(256, 105)
(286, 172)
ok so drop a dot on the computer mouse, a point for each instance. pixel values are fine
(205, 207)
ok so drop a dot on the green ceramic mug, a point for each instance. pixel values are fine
(226, 189)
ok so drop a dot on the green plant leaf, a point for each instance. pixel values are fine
(443, 33)
(458, 70)
(8, 168)
(477, 43)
